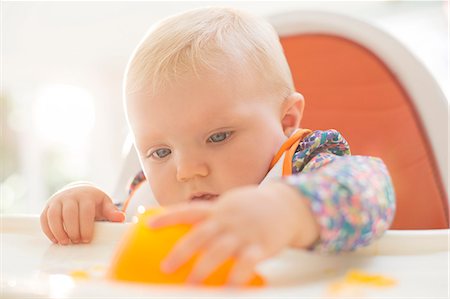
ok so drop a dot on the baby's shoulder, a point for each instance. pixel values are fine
(319, 142)
(324, 140)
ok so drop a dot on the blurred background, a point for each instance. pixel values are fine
(61, 78)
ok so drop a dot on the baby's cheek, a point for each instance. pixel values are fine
(155, 186)
(165, 192)
(160, 193)
(246, 173)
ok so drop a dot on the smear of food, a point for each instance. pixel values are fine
(92, 272)
(79, 274)
(355, 280)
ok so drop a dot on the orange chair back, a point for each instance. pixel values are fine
(348, 88)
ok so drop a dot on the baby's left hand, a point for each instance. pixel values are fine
(249, 224)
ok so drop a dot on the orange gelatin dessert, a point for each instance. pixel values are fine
(143, 248)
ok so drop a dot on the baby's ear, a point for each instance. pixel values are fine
(292, 112)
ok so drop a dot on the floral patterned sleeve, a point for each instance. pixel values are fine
(352, 197)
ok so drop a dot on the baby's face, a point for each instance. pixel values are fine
(205, 137)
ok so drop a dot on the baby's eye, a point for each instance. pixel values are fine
(160, 153)
(219, 137)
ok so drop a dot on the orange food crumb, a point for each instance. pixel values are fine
(359, 277)
(353, 281)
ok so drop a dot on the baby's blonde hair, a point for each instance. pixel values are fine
(210, 38)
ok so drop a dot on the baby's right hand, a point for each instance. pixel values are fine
(70, 213)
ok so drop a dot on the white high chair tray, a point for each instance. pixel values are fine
(32, 267)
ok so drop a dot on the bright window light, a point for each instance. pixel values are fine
(64, 115)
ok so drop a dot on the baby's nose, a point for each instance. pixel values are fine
(190, 167)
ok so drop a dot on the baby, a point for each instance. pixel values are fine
(214, 113)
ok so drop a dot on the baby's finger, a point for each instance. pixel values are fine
(245, 264)
(189, 245)
(213, 257)
(87, 217)
(111, 213)
(45, 227)
(55, 222)
(71, 220)
(183, 214)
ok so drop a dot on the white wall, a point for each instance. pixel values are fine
(87, 44)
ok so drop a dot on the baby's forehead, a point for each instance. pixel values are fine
(208, 83)
(199, 99)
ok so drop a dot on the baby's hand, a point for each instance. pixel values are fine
(70, 213)
(249, 224)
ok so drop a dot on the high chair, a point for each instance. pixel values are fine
(364, 83)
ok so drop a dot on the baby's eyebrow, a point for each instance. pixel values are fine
(144, 143)
(149, 145)
(222, 122)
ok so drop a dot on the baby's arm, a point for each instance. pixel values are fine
(70, 213)
(247, 223)
(351, 197)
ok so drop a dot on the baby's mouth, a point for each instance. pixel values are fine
(203, 196)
